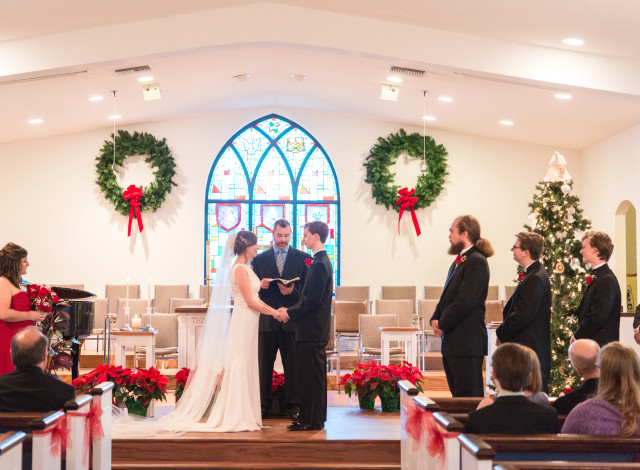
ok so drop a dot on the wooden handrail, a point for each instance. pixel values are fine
(561, 443)
(476, 446)
(9, 440)
(426, 403)
(448, 422)
(408, 387)
(76, 403)
(39, 424)
(102, 388)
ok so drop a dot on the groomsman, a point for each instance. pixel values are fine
(284, 262)
(459, 316)
(599, 311)
(526, 318)
(312, 317)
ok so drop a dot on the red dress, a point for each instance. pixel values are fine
(22, 303)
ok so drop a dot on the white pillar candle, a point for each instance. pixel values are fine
(136, 322)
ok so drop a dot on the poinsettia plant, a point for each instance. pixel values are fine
(55, 323)
(372, 379)
(277, 382)
(181, 381)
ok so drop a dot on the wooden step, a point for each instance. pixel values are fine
(189, 465)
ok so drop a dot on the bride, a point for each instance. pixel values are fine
(223, 391)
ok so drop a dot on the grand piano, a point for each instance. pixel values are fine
(79, 305)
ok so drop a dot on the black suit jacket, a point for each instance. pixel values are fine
(513, 415)
(526, 318)
(460, 312)
(312, 313)
(566, 403)
(599, 310)
(31, 389)
(264, 265)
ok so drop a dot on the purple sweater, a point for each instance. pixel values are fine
(594, 416)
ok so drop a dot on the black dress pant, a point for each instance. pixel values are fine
(268, 345)
(464, 375)
(312, 381)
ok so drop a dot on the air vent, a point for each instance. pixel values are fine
(406, 71)
(130, 70)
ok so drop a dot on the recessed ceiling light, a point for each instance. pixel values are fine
(506, 123)
(96, 98)
(563, 96)
(35, 121)
(394, 79)
(573, 42)
(242, 77)
(145, 79)
(115, 116)
(298, 76)
(428, 118)
(445, 99)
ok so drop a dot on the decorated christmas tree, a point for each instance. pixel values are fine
(557, 216)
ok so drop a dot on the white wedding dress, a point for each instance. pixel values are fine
(223, 391)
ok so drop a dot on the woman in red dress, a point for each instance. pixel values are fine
(15, 304)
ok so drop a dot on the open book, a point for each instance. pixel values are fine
(286, 282)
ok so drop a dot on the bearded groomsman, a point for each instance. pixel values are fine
(284, 262)
(599, 311)
(459, 316)
(526, 318)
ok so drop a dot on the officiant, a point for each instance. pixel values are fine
(284, 262)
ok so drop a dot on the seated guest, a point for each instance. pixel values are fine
(615, 410)
(29, 388)
(533, 392)
(583, 354)
(512, 412)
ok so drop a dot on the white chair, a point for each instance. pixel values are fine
(113, 292)
(166, 292)
(492, 293)
(433, 292)
(175, 303)
(493, 311)
(401, 307)
(101, 310)
(166, 324)
(400, 292)
(430, 341)
(354, 293)
(346, 314)
(136, 307)
(371, 336)
(509, 292)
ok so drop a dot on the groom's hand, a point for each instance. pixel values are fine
(282, 315)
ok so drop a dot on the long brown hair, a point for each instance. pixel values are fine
(619, 383)
(471, 225)
(10, 262)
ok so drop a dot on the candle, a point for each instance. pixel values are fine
(127, 293)
(136, 322)
(149, 293)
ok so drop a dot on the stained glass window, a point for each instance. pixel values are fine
(271, 169)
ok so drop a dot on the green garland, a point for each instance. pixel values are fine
(158, 156)
(383, 155)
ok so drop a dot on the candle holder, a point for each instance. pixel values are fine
(136, 322)
(207, 285)
(147, 319)
(127, 318)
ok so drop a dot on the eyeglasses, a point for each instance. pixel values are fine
(516, 246)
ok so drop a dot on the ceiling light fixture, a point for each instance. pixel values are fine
(298, 77)
(563, 96)
(504, 122)
(35, 121)
(573, 42)
(389, 92)
(242, 77)
(394, 79)
(113, 117)
(145, 79)
(428, 118)
(445, 99)
(151, 91)
(96, 98)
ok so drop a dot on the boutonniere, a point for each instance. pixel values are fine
(461, 259)
(520, 277)
(589, 279)
(308, 261)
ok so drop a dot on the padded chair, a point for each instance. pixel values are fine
(101, 309)
(113, 292)
(508, 290)
(346, 313)
(401, 307)
(429, 341)
(493, 311)
(203, 292)
(166, 324)
(400, 292)
(352, 292)
(433, 292)
(164, 293)
(492, 293)
(175, 303)
(136, 306)
(371, 336)
(331, 348)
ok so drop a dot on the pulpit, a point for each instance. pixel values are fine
(190, 322)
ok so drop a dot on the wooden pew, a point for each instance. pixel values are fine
(101, 397)
(563, 465)
(42, 449)
(481, 452)
(11, 450)
(77, 410)
(408, 455)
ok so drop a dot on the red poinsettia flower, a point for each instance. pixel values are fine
(308, 261)
(182, 376)
(520, 277)
(588, 279)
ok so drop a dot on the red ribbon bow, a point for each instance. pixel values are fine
(420, 423)
(406, 201)
(92, 428)
(59, 435)
(133, 195)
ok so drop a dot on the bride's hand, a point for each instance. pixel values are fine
(264, 283)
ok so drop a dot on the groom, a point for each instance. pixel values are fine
(312, 317)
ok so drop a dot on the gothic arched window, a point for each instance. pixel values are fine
(271, 169)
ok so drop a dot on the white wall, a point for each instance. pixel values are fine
(52, 206)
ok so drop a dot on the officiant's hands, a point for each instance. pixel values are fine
(286, 290)
(281, 315)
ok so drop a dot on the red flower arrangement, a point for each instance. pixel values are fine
(308, 261)
(379, 380)
(588, 279)
(42, 297)
(181, 381)
(277, 382)
(131, 388)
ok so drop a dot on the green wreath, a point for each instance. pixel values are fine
(383, 154)
(158, 156)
